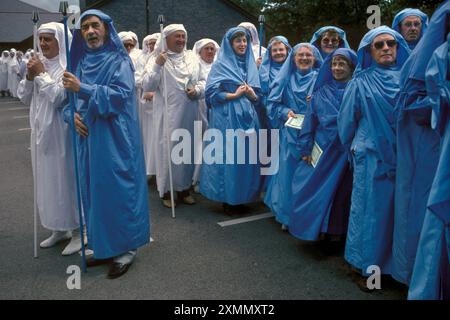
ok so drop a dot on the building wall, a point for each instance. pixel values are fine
(201, 18)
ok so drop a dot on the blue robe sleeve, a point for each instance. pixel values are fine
(349, 115)
(306, 139)
(277, 112)
(109, 100)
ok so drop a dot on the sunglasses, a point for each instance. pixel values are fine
(380, 44)
(129, 45)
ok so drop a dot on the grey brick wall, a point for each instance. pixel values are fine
(201, 18)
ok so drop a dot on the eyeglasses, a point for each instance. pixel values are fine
(332, 41)
(409, 24)
(380, 44)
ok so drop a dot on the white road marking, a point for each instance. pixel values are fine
(246, 219)
(24, 129)
(21, 117)
(18, 108)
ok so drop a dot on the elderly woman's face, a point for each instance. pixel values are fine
(278, 52)
(341, 69)
(240, 45)
(384, 49)
(329, 42)
(304, 59)
(208, 52)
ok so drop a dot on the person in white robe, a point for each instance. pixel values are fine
(145, 104)
(255, 41)
(206, 51)
(13, 71)
(51, 145)
(4, 73)
(183, 93)
(131, 43)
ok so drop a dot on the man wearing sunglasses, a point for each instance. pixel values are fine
(411, 24)
(366, 126)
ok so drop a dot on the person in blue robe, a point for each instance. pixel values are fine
(110, 153)
(232, 96)
(321, 206)
(417, 151)
(329, 38)
(431, 274)
(289, 98)
(366, 125)
(272, 62)
(411, 24)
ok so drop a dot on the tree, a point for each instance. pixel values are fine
(299, 19)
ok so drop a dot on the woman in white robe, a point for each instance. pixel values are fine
(13, 70)
(4, 72)
(206, 51)
(145, 104)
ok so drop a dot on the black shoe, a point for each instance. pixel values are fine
(92, 262)
(118, 269)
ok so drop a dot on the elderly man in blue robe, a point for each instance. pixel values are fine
(329, 38)
(110, 152)
(288, 100)
(431, 274)
(366, 124)
(411, 24)
(418, 147)
(321, 207)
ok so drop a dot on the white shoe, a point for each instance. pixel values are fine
(57, 236)
(74, 245)
(197, 188)
(284, 227)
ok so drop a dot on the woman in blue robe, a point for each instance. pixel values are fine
(232, 94)
(418, 147)
(111, 159)
(431, 275)
(288, 98)
(399, 17)
(366, 124)
(268, 71)
(322, 204)
(327, 48)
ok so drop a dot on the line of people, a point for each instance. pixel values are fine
(365, 162)
(12, 69)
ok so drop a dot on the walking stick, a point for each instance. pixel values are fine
(166, 124)
(63, 9)
(261, 20)
(35, 20)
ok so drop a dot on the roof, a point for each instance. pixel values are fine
(15, 20)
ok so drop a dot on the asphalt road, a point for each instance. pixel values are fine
(192, 257)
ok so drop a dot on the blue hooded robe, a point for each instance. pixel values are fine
(289, 92)
(366, 124)
(323, 203)
(267, 74)
(233, 183)
(111, 159)
(399, 17)
(315, 40)
(431, 274)
(417, 149)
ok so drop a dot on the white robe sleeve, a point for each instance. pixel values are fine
(25, 91)
(50, 89)
(152, 77)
